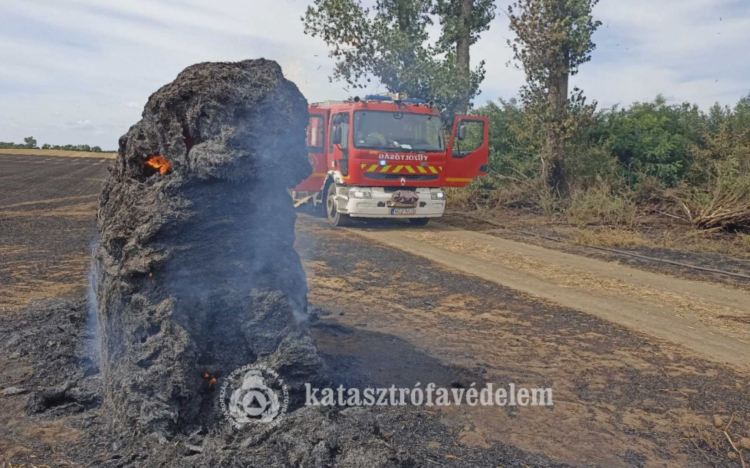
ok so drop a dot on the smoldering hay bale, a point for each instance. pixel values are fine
(197, 271)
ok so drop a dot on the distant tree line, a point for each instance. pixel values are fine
(31, 143)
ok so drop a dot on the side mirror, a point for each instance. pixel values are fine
(461, 133)
(336, 138)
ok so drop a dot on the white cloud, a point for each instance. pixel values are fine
(80, 124)
(95, 62)
(688, 50)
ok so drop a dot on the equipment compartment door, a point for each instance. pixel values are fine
(468, 157)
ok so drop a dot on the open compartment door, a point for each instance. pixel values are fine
(468, 151)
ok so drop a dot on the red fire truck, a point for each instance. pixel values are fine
(387, 157)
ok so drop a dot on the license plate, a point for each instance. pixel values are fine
(403, 211)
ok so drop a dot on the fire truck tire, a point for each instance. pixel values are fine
(319, 210)
(334, 217)
(419, 221)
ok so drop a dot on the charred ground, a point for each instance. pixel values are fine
(637, 412)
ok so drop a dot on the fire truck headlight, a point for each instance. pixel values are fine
(360, 194)
(438, 195)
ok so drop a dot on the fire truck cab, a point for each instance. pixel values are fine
(387, 157)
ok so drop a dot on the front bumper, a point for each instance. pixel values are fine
(378, 205)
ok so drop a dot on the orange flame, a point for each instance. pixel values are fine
(159, 163)
(211, 379)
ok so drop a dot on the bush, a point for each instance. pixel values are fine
(620, 159)
(493, 191)
(652, 139)
(586, 165)
(515, 141)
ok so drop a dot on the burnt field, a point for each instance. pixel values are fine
(51, 400)
(47, 219)
(380, 317)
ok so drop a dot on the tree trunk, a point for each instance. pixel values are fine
(462, 55)
(558, 101)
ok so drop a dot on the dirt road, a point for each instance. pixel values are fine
(638, 362)
(709, 319)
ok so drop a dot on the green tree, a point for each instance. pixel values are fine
(462, 21)
(514, 140)
(553, 39)
(654, 139)
(30, 142)
(391, 43)
(722, 155)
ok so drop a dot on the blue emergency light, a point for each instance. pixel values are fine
(376, 97)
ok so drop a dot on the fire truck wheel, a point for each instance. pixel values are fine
(334, 217)
(419, 221)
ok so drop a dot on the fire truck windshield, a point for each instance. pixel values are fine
(398, 131)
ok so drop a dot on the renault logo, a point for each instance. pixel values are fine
(403, 181)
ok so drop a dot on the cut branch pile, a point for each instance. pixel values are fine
(728, 209)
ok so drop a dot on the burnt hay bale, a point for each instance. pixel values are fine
(196, 267)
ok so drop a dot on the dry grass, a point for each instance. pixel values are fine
(720, 440)
(684, 239)
(612, 238)
(599, 205)
(496, 192)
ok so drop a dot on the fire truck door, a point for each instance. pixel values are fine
(468, 151)
(339, 146)
(316, 151)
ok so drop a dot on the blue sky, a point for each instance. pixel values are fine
(80, 71)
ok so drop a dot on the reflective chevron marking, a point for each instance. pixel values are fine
(393, 169)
